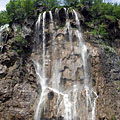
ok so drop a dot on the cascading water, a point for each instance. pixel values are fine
(52, 28)
(1, 31)
(51, 20)
(72, 97)
(0, 38)
(44, 50)
(69, 28)
(40, 69)
(83, 50)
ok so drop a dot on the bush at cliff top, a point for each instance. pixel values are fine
(105, 9)
(19, 9)
(3, 18)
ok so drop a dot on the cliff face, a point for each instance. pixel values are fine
(105, 74)
(19, 85)
(18, 88)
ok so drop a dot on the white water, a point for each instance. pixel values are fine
(68, 106)
(38, 33)
(51, 21)
(83, 51)
(77, 20)
(67, 100)
(38, 23)
(40, 70)
(2, 28)
(52, 29)
(44, 50)
(0, 38)
(56, 75)
(57, 12)
(68, 27)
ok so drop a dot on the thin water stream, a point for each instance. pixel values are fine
(2, 28)
(76, 101)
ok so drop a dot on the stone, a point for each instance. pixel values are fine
(18, 80)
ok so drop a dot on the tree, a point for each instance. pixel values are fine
(48, 3)
(28, 6)
(87, 2)
(116, 10)
(71, 2)
(19, 9)
(3, 18)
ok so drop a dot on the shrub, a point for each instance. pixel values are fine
(3, 18)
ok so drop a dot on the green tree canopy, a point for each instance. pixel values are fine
(18, 9)
(71, 2)
(3, 18)
(49, 3)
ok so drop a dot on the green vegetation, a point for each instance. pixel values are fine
(100, 9)
(101, 14)
(19, 40)
(49, 3)
(18, 10)
(100, 30)
(71, 2)
(3, 18)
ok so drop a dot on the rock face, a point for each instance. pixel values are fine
(105, 69)
(19, 85)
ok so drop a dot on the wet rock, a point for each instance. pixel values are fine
(3, 70)
(18, 80)
(50, 95)
(105, 72)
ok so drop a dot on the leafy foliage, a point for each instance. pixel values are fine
(50, 3)
(102, 15)
(20, 42)
(19, 38)
(100, 30)
(19, 9)
(87, 2)
(3, 18)
(71, 2)
(105, 9)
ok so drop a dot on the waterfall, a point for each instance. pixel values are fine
(68, 27)
(38, 23)
(44, 50)
(56, 68)
(2, 28)
(57, 12)
(56, 75)
(40, 69)
(38, 33)
(77, 19)
(68, 110)
(83, 51)
(0, 38)
(52, 29)
(51, 20)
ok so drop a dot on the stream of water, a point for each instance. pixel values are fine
(2, 28)
(76, 101)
